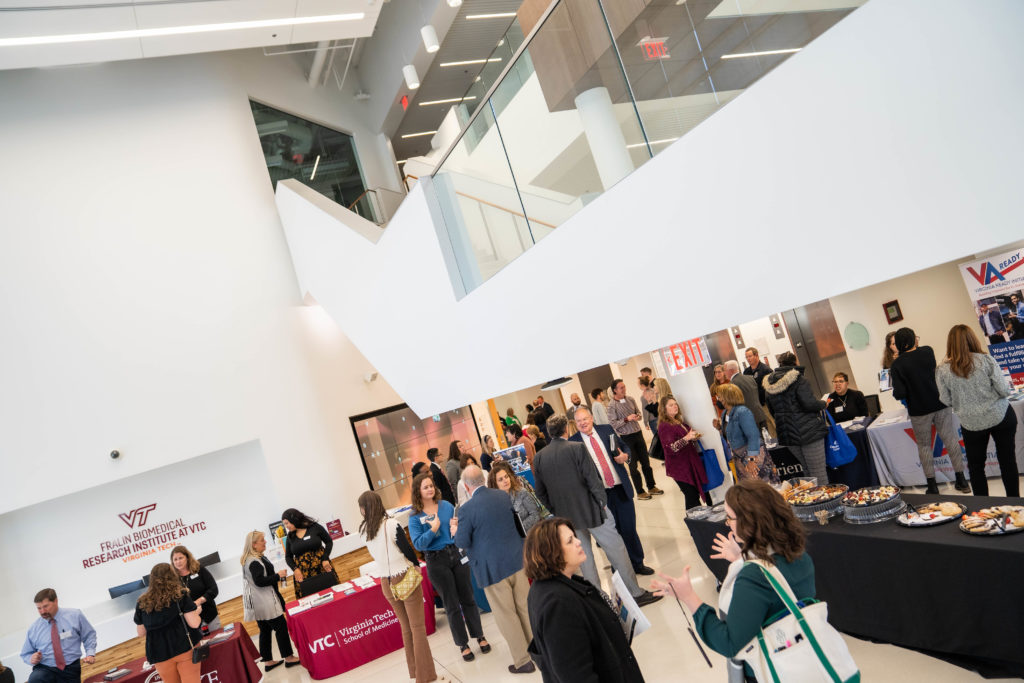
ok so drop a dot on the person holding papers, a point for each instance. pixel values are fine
(577, 635)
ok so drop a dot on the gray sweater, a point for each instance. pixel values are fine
(979, 399)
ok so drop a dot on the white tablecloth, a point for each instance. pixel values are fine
(895, 451)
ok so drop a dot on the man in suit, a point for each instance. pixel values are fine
(574, 402)
(569, 484)
(991, 323)
(751, 398)
(486, 529)
(438, 475)
(608, 455)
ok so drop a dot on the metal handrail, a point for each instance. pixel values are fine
(484, 201)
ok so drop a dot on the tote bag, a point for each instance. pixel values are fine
(801, 647)
(839, 450)
(711, 467)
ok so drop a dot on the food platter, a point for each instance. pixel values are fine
(870, 495)
(932, 514)
(817, 495)
(994, 521)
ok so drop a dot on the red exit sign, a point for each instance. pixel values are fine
(654, 49)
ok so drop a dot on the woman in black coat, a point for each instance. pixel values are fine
(577, 636)
(798, 420)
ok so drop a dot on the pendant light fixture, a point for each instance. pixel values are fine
(454, 3)
(412, 79)
(430, 39)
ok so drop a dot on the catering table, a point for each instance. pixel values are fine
(350, 630)
(934, 589)
(231, 661)
(856, 474)
(895, 450)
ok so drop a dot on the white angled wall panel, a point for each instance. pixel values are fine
(890, 144)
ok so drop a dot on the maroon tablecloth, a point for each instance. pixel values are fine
(350, 630)
(231, 661)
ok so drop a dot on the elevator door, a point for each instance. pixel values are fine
(818, 343)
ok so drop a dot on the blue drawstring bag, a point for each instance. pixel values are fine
(839, 450)
(711, 467)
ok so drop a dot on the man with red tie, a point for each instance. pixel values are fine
(609, 453)
(53, 646)
(572, 486)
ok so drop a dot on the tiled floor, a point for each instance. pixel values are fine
(666, 652)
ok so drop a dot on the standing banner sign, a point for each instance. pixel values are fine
(996, 287)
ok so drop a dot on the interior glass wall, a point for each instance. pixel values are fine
(593, 91)
(322, 158)
(392, 440)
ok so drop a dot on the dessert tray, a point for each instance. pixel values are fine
(994, 521)
(932, 514)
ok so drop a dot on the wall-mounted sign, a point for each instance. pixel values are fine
(654, 49)
(685, 355)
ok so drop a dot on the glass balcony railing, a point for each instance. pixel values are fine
(582, 95)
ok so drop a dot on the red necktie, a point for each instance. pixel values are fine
(58, 653)
(609, 480)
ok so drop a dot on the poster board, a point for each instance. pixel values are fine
(996, 288)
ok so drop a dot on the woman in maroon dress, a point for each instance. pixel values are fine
(683, 462)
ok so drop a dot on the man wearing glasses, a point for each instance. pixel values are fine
(844, 403)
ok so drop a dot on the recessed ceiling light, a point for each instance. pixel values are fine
(418, 135)
(447, 101)
(493, 15)
(466, 62)
(454, 3)
(765, 53)
(176, 30)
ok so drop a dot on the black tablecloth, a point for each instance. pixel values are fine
(935, 588)
(856, 474)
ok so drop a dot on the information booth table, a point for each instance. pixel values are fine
(231, 661)
(355, 627)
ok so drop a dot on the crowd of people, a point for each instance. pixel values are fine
(530, 547)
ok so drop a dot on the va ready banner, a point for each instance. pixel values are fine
(996, 286)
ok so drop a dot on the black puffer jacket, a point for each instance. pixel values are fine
(797, 412)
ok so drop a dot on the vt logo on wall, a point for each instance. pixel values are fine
(138, 516)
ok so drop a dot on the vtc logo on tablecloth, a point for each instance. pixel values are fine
(323, 643)
(138, 516)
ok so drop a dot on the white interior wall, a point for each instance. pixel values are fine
(835, 151)
(760, 335)
(148, 298)
(932, 301)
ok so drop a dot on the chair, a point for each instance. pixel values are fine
(874, 405)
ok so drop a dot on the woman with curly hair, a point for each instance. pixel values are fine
(524, 502)
(161, 615)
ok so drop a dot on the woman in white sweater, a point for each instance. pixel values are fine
(391, 550)
(971, 382)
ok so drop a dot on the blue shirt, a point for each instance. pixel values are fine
(425, 539)
(75, 631)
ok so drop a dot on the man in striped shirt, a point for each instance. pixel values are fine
(624, 416)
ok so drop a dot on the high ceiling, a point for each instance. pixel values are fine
(467, 39)
(62, 32)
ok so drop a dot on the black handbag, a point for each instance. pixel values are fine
(315, 584)
(201, 652)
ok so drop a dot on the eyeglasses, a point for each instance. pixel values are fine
(729, 518)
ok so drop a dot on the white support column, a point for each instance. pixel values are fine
(604, 134)
(694, 398)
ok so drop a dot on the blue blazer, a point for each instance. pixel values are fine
(487, 532)
(606, 434)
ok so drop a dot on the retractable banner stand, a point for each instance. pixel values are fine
(996, 286)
